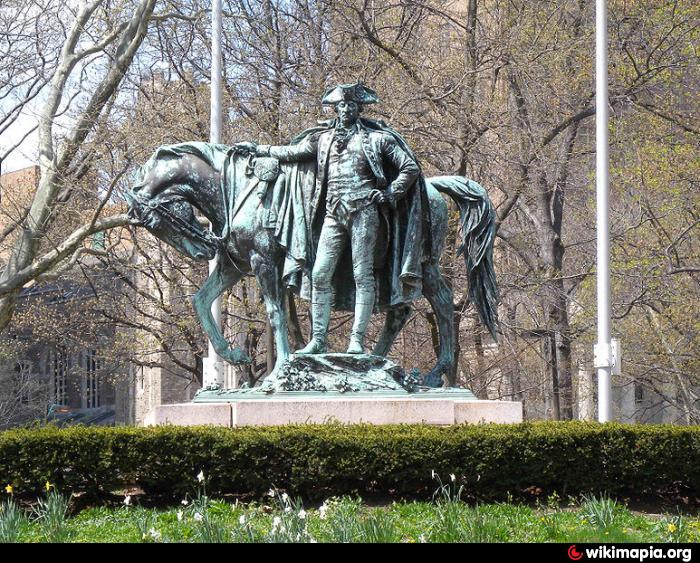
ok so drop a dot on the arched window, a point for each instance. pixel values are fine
(57, 368)
(90, 364)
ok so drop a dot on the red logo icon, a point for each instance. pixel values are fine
(574, 554)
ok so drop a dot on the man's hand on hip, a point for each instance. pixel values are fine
(378, 196)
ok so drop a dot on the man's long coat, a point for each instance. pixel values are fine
(403, 245)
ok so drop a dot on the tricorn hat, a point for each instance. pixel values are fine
(357, 92)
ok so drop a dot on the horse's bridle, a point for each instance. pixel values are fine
(154, 205)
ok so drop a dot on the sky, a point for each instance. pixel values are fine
(26, 154)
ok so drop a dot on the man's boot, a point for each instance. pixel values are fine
(321, 315)
(364, 304)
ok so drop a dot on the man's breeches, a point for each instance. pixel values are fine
(361, 227)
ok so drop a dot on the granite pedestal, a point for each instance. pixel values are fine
(343, 388)
(281, 410)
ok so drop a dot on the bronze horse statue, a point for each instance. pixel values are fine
(237, 194)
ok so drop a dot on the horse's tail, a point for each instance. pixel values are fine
(478, 217)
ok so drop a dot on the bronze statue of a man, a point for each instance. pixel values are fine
(368, 188)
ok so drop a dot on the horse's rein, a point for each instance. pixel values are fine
(157, 206)
(208, 237)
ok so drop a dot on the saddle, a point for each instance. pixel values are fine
(265, 168)
(267, 182)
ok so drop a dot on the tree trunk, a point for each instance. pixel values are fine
(482, 391)
(551, 355)
(54, 164)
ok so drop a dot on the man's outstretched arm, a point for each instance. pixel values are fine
(305, 150)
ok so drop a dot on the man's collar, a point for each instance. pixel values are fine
(331, 123)
(355, 127)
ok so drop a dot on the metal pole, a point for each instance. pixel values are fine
(603, 351)
(213, 366)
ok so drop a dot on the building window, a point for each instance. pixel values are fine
(22, 382)
(91, 379)
(58, 372)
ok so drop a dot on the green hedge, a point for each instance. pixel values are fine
(318, 461)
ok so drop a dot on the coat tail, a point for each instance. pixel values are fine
(478, 218)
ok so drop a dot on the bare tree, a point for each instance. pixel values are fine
(63, 157)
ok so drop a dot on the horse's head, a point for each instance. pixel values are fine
(170, 217)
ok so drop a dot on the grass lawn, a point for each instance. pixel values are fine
(282, 519)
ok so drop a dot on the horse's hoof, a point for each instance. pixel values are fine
(236, 356)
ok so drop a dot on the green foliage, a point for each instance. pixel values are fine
(341, 517)
(210, 530)
(51, 515)
(144, 521)
(600, 511)
(207, 528)
(12, 521)
(378, 526)
(316, 462)
(349, 520)
(290, 524)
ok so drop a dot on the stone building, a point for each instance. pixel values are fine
(155, 377)
(60, 361)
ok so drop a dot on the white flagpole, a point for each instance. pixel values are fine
(603, 353)
(213, 366)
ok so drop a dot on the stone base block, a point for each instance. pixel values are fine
(190, 414)
(351, 410)
(476, 412)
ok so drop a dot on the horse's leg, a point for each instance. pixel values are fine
(270, 281)
(393, 323)
(224, 276)
(440, 297)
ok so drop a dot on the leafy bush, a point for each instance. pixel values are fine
(490, 461)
